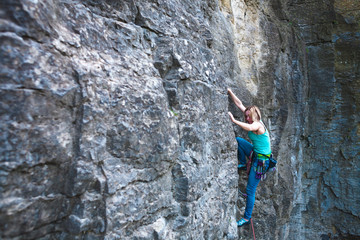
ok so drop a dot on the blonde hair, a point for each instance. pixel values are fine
(254, 113)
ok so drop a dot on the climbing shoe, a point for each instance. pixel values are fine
(242, 222)
(242, 166)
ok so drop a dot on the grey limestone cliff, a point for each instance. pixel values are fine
(114, 118)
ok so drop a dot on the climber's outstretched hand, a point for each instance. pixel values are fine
(231, 116)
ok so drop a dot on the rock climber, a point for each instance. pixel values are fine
(260, 150)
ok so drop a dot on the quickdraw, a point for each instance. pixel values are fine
(260, 169)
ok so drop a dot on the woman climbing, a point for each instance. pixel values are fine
(260, 150)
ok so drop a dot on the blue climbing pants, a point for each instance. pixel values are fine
(250, 192)
(244, 149)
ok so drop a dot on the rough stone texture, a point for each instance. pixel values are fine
(114, 118)
(328, 204)
(112, 114)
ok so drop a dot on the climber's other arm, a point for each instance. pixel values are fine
(236, 100)
(246, 126)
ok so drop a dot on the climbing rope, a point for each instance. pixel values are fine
(252, 226)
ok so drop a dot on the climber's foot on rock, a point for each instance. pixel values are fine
(242, 222)
(242, 166)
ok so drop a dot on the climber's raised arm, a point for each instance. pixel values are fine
(254, 126)
(236, 100)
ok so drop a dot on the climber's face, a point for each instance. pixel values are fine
(248, 117)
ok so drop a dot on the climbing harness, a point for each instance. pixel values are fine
(262, 164)
(272, 161)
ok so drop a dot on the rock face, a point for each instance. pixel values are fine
(114, 118)
(112, 115)
(329, 199)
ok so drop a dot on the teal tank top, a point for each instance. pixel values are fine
(261, 142)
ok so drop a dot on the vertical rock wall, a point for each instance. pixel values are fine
(329, 201)
(114, 118)
(114, 121)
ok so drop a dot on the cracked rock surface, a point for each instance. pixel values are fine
(114, 118)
